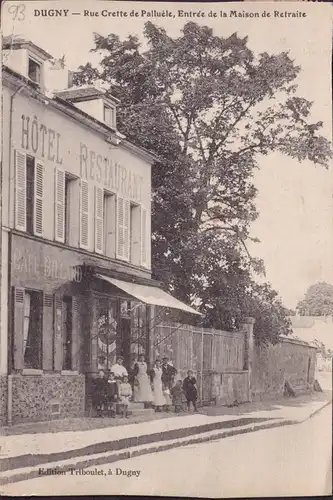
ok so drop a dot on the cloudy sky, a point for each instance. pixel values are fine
(295, 200)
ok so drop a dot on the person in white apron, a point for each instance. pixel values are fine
(142, 388)
(156, 376)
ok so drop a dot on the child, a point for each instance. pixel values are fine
(177, 396)
(125, 393)
(112, 395)
(191, 393)
(99, 393)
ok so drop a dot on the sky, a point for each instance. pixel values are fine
(295, 200)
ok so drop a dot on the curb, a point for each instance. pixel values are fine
(30, 460)
(85, 461)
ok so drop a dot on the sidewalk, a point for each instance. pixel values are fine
(60, 445)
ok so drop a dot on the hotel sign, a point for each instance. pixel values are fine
(47, 144)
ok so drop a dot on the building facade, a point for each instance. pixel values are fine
(76, 287)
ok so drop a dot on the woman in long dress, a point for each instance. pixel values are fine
(142, 389)
(156, 375)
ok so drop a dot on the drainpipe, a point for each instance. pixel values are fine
(10, 377)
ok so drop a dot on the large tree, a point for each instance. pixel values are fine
(318, 300)
(209, 107)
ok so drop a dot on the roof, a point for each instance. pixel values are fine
(19, 42)
(81, 93)
(313, 329)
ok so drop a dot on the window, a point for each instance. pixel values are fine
(67, 329)
(135, 234)
(30, 183)
(110, 116)
(34, 71)
(32, 329)
(71, 194)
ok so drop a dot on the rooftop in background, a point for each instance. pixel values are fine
(313, 328)
(14, 42)
(84, 92)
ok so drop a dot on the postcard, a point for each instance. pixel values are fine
(166, 291)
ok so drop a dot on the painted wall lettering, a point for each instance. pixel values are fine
(29, 264)
(111, 174)
(43, 141)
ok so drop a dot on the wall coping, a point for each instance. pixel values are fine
(291, 340)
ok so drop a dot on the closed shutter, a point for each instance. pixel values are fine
(123, 229)
(143, 237)
(84, 215)
(18, 326)
(20, 191)
(47, 331)
(99, 212)
(39, 195)
(58, 340)
(76, 340)
(120, 227)
(148, 239)
(59, 209)
(127, 242)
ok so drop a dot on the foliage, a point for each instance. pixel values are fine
(318, 301)
(209, 107)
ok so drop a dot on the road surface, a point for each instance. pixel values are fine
(286, 461)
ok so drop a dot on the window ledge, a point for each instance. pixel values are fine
(32, 371)
(69, 372)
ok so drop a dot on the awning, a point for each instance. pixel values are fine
(149, 294)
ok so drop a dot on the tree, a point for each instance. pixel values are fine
(209, 107)
(318, 301)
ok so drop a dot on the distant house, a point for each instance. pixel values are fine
(316, 330)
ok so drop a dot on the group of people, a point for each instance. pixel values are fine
(155, 387)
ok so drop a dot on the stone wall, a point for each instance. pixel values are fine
(3, 399)
(273, 365)
(46, 397)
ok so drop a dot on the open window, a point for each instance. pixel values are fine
(34, 70)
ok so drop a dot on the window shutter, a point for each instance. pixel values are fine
(143, 237)
(47, 331)
(99, 212)
(76, 353)
(59, 209)
(18, 334)
(120, 227)
(39, 195)
(127, 242)
(84, 215)
(148, 239)
(57, 356)
(20, 191)
(123, 229)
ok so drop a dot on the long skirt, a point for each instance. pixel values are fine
(159, 399)
(142, 389)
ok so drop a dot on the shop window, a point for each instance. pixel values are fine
(135, 236)
(32, 329)
(110, 116)
(34, 71)
(67, 330)
(109, 224)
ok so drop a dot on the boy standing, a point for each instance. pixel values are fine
(125, 393)
(191, 393)
(177, 394)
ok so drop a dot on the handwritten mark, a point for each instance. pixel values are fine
(17, 12)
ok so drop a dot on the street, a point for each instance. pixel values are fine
(286, 461)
